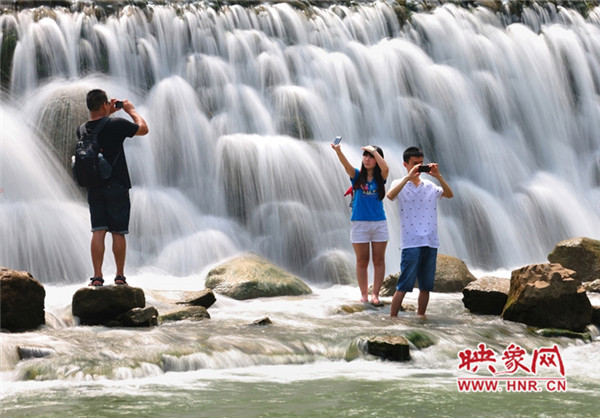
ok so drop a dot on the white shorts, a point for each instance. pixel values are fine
(369, 231)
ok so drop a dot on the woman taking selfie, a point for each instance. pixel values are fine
(369, 233)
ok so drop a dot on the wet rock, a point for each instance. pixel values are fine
(25, 352)
(251, 276)
(103, 304)
(547, 296)
(387, 347)
(420, 339)
(592, 286)
(595, 315)
(21, 301)
(580, 254)
(192, 313)
(205, 298)
(553, 332)
(263, 321)
(136, 317)
(486, 296)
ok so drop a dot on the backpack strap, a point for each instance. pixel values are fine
(99, 127)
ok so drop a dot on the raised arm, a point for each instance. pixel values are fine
(347, 166)
(385, 169)
(435, 172)
(135, 116)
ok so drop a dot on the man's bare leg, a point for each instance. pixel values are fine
(396, 303)
(97, 250)
(119, 249)
(423, 302)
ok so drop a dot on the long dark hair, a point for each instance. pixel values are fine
(362, 176)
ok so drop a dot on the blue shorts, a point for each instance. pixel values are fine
(417, 264)
(110, 208)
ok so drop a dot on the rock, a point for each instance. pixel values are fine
(136, 317)
(332, 267)
(547, 296)
(387, 347)
(580, 254)
(34, 352)
(388, 287)
(553, 332)
(419, 339)
(100, 305)
(595, 315)
(22, 301)
(263, 321)
(205, 298)
(592, 286)
(486, 296)
(451, 275)
(251, 276)
(192, 313)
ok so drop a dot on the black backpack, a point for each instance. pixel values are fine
(86, 163)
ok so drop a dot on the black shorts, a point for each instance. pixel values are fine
(110, 208)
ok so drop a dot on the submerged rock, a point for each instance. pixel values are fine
(486, 296)
(21, 301)
(251, 276)
(25, 352)
(387, 347)
(192, 313)
(547, 296)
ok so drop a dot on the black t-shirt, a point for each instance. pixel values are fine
(111, 139)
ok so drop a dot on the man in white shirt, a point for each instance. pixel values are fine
(417, 204)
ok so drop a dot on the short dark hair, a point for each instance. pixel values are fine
(412, 152)
(95, 99)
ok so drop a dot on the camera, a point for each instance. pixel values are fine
(337, 140)
(424, 169)
(119, 104)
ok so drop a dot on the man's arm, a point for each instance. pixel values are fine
(435, 172)
(136, 117)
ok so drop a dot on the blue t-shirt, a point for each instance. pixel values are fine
(366, 205)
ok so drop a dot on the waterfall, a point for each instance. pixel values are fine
(242, 103)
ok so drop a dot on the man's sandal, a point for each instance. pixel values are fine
(120, 281)
(96, 281)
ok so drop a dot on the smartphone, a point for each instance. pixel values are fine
(119, 104)
(337, 140)
(424, 169)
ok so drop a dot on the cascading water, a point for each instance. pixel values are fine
(243, 102)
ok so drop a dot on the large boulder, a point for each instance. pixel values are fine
(579, 254)
(251, 276)
(102, 305)
(22, 301)
(486, 296)
(451, 275)
(547, 296)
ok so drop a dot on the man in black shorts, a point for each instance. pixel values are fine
(109, 203)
